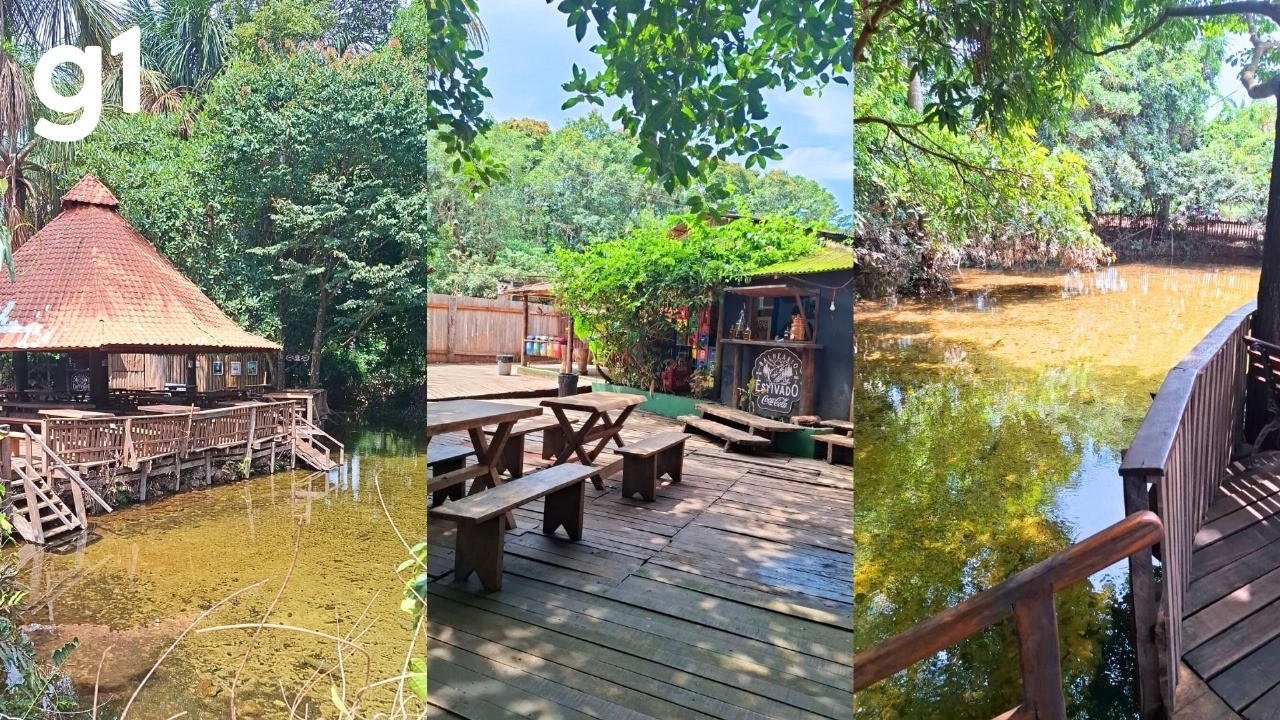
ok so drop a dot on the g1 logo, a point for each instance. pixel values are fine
(88, 102)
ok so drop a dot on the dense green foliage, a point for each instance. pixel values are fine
(568, 188)
(628, 293)
(1141, 114)
(928, 199)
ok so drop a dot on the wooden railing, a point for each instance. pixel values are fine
(132, 440)
(1174, 468)
(1028, 597)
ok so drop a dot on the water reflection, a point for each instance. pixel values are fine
(989, 429)
(156, 566)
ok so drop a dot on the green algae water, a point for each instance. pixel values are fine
(989, 430)
(158, 565)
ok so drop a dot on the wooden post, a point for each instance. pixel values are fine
(248, 446)
(451, 328)
(20, 373)
(99, 379)
(208, 468)
(1144, 599)
(1037, 626)
(524, 332)
(142, 484)
(6, 465)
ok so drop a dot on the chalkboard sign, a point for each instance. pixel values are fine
(778, 384)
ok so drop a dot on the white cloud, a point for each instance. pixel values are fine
(818, 163)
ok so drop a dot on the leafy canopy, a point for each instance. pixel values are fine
(693, 75)
(628, 293)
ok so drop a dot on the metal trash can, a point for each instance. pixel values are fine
(505, 363)
(568, 384)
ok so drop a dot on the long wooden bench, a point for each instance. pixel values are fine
(756, 425)
(512, 461)
(731, 436)
(643, 462)
(482, 523)
(445, 462)
(838, 450)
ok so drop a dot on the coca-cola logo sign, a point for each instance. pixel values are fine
(777, 376)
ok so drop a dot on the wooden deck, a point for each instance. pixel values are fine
(728, 597)
(1231, 625)
(480, 382)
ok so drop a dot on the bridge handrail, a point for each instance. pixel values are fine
(1174, 467)
(1028, 597)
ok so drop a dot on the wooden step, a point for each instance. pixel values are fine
(739, 417)
(731, 436)
(833, 439)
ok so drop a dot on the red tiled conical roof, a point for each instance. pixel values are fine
(89, 281)
(90, 191)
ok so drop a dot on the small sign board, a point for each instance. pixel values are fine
(778, 381)
(235, 368)
(252, 367)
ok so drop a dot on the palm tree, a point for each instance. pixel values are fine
(28, 28)
(184, 40)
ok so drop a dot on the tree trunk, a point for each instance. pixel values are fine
(317, 336)
(915, 95)
(1266, 322)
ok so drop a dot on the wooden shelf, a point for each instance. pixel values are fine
(774, 343)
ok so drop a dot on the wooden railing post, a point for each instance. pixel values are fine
(248, 445)
(1036, 622)
(1144, 599)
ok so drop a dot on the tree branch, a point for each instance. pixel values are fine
(897, 128)
(870, 26)
(1246, 7)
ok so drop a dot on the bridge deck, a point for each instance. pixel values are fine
(728, 597)
(1231, 627)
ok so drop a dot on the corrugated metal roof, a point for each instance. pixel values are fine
(88, 280)
(827, 259)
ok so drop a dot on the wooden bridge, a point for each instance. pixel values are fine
(92, 459)
(1202, 538)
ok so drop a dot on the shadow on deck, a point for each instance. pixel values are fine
(728, 597)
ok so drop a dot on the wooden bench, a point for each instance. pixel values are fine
(844, 427)
(842, 456)
(754, 424)
(643, 462)
(482, 522)
(731, 436)
(445, 461)
(512, 461)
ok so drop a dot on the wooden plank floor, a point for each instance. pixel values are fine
(728, 597)
(1231, 630)
(477, 382)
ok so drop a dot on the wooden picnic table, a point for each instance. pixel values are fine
(167, 409)
(599, 427)
(449, 416)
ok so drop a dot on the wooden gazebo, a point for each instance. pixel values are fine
(89, 284)
(541, 292)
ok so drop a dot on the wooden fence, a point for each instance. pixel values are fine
(1225, 230)
(467, 329)
(1174, 467)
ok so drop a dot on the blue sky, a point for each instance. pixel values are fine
(531, 52)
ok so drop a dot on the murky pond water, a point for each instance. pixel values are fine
(989, 431)
(159, 565)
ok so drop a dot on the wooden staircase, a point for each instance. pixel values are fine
(311, 446)
(27, 489)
